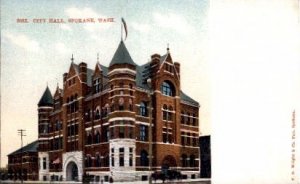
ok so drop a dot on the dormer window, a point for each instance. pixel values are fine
(97, 85)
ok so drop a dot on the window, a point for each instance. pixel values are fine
(192, 161)
(98, 161)
(112, 106)
(121, 132)
(97, 85)
(97, 116)
(130, 105)
(130, 91)
(44, 163)
(170, 117)
(121, 157)
(106, 161)
(111, 88)
(165, 113)
(88, 161)
(121, 104)
(143, 133)
(143, 109)
(89, 138)
(97, 137)
(88, 115)
(112, 157)
(130, 156)
(130, 132)
(165, 137)
(167, 88)
(144, 158)
(184, 160)
(182, 117)
(194, 120)
(112, 132)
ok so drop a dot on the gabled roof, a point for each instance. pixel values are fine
(47, 99)
(122, 56)
(32, 147)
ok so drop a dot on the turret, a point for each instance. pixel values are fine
(45, 107)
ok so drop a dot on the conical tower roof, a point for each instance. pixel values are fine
(47, 99)
(122, 56)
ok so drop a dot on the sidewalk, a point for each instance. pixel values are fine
(193, 181)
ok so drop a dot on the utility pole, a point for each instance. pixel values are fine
(21, 132)
(150, 129)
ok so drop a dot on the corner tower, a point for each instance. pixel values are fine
(122, 74)
(45, 107)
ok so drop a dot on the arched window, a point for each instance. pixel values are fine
(167, 88)
(192, 161)
(97, 137)
(97, 115)
(184, 160)
(98, 161)
(130, 105)
(143, 109)
(144, 158)
(106, 160)
(88, 115)
(112, 106)
(89, 138)
(88, 161)
(121, 104)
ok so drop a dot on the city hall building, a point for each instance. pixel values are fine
(98, 124)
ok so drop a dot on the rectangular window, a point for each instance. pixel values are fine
(44, 163)
(112, 132)
(112, 157)
(130, 156)
(121, 156)
(131, 132)
(143, 133)
(121, 160)
(122, 132)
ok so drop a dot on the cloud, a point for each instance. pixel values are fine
(22, 41)
(84, 13)
(173, 21)
(65, 27)
(61, 48)
(144, 28)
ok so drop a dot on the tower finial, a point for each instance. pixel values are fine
(168, 49)
(72, 58)
(98, 57)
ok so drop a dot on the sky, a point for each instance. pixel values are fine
(239, 59)
(34, 55)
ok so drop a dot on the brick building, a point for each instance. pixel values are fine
(28, 155)
(98, 124)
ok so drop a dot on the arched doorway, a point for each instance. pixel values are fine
(168, 161)
(72, 171)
